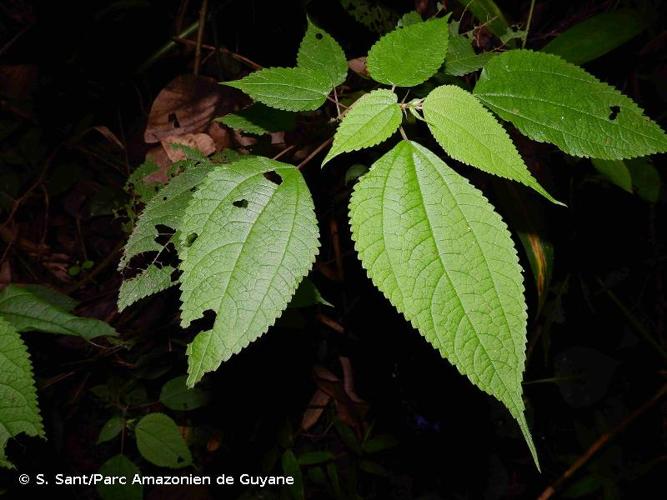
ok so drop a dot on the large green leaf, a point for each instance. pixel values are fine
(321, 53)
(596, 36)
(160, 442)
(291, 89)
(551, 100)
(162, 212)
(28, 311)
(19, 413)
(435, 247)
(470, 134)
(411, 55)
(371, 120)
(253, 236)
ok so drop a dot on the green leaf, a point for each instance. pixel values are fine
(645, 179)
(379, 443)
(120, 466)
(290, 466)
(615, 172)
(19, 413)
(29, 311)
(489, 14)
(290, 89)
(177, 396)
(163, 211)
(371, 119)
(315, 457)
(136, 182)
(461, 57)
(166, 210)
(596, 36)
(409, 56)
(375, 16)
(470, 134)
(435, 247)
(150, 281)
(160, 442)
(254, 237)
(308, 295)
(111, 429)
(51, 296)
(551, 100)
(409, 18)
(259, 119)
(320, 53)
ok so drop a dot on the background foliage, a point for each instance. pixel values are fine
(348, 398)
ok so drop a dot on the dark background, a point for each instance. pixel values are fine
(588, 367)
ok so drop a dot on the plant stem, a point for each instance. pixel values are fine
(530, 20)
(200, 36)
(599, 443)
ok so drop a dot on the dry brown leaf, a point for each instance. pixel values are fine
(315, 409)
(220, 136)
(358, 65)
(201, 142)
(186, 105)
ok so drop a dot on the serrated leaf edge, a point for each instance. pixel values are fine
(519, 412)
(607, 86)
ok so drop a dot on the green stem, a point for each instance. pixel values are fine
(530, 20)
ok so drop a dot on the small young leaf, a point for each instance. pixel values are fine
(150, 281)
(27, 311)
(259, 119)
(409, 56)
(489, 14)
(308, 295)
(253, 237)
(111, 429)
(290, 89)
(375, 16)
(435, 247)
(177, 396)
(615, 171)
(371, 120)
(551, 100)
(596, 36)
(461, 57)
(160, 442)
(470, 134)
(409, 18)
(19, 413)
(120, 466)
(321, 53)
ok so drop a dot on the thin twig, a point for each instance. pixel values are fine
(599, 443)
(232, 54)
(530, 20)
(314, 153)
(40, 178)
(200, 36)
